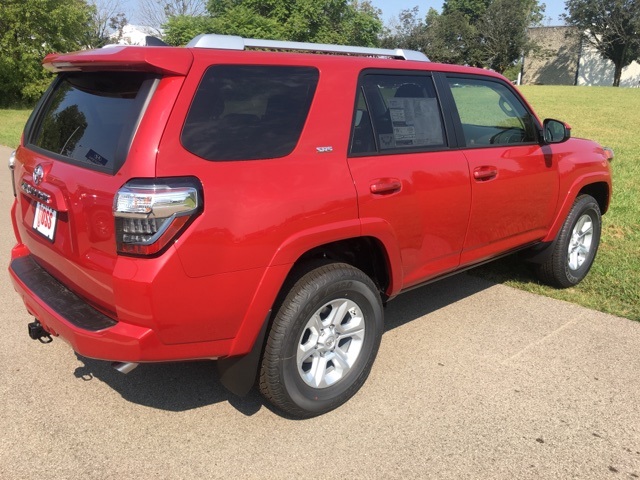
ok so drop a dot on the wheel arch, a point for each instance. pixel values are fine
(368, 254)
(295, 258)
(600, 191)
(596, 186)
(364, 253)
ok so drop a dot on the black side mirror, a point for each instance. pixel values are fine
(555, 131)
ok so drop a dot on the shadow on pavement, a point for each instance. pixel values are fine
(184, 386)
(432, 297)
(175, 387)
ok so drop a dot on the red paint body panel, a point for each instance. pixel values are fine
(208, 294)
(427, 216)
(514, 207)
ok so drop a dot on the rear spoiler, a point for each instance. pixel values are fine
(125, 57)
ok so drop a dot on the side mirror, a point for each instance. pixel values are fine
(555, 131)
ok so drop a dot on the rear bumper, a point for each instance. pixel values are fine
(90, 332)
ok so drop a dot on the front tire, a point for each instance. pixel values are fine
(576, 246)
(323, 341)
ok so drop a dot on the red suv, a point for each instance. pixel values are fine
(237, 201)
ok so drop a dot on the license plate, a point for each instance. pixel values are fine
(44, 221)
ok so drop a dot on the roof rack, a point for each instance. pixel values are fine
(232, 42)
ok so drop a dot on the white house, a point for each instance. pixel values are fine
(594, 70)
(133, 35)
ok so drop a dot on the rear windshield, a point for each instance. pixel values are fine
(244, 112)
(90, 118)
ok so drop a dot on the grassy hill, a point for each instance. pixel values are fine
(611, 116)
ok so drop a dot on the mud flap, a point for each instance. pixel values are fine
(539, 253)
(238, 374)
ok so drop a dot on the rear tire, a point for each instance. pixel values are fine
(323, 341)
(576, 246)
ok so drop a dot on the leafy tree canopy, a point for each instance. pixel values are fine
(325, 21)
(473, 10)
(31, 29)
(481, 33)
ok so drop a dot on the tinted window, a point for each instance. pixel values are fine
(90, 118)
(397, 113)
(490, 113)
(249, 112)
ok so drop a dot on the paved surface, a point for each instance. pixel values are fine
(473, 380)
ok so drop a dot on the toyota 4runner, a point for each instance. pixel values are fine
(239, 200)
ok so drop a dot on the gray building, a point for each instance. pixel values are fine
(564, 59)
(557, 59)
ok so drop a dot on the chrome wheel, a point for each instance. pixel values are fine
(323, 339)
(330, 343)
(580, 242)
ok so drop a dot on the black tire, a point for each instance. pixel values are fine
(336, 292)
(561, 269)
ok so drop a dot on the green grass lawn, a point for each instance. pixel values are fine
(11, 125)
(610, 116)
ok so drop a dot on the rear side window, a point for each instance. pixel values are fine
(90, 118)
(395, 114)
(244, 112)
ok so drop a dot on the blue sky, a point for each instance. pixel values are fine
(391, 8)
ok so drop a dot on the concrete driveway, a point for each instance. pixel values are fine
(473, 380)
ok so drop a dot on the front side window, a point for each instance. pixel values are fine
(248, 112)
(396, 113)
(490, 113)
(89, 118)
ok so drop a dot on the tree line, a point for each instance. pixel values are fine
(483, 33)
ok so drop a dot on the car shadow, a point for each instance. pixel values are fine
(429, 298)
(175, 386)
(182, 386)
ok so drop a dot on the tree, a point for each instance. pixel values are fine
(474, 10)
(407, 31)
(503, 31)
(451, 38)
(481, 33)
(611, 26)
(156, 13)
(107, 18)
(324, 21)
(29, 30)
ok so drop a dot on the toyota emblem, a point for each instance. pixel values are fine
(38, 175)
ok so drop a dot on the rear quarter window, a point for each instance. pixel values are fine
(246, 112)
(90, 118)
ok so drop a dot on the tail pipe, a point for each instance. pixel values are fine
(37, 332)
(124, 367)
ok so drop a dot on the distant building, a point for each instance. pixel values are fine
(133, 35)
(565, 59)
(556, 63)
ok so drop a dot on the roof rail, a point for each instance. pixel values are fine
(232, 42)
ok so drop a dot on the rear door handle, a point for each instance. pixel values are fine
(386, 186)
(486, 172)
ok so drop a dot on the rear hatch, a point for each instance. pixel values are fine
(97, 127)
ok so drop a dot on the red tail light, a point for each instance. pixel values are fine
(150, 214)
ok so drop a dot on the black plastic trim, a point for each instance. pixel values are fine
(58, 297)
(238, 374)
